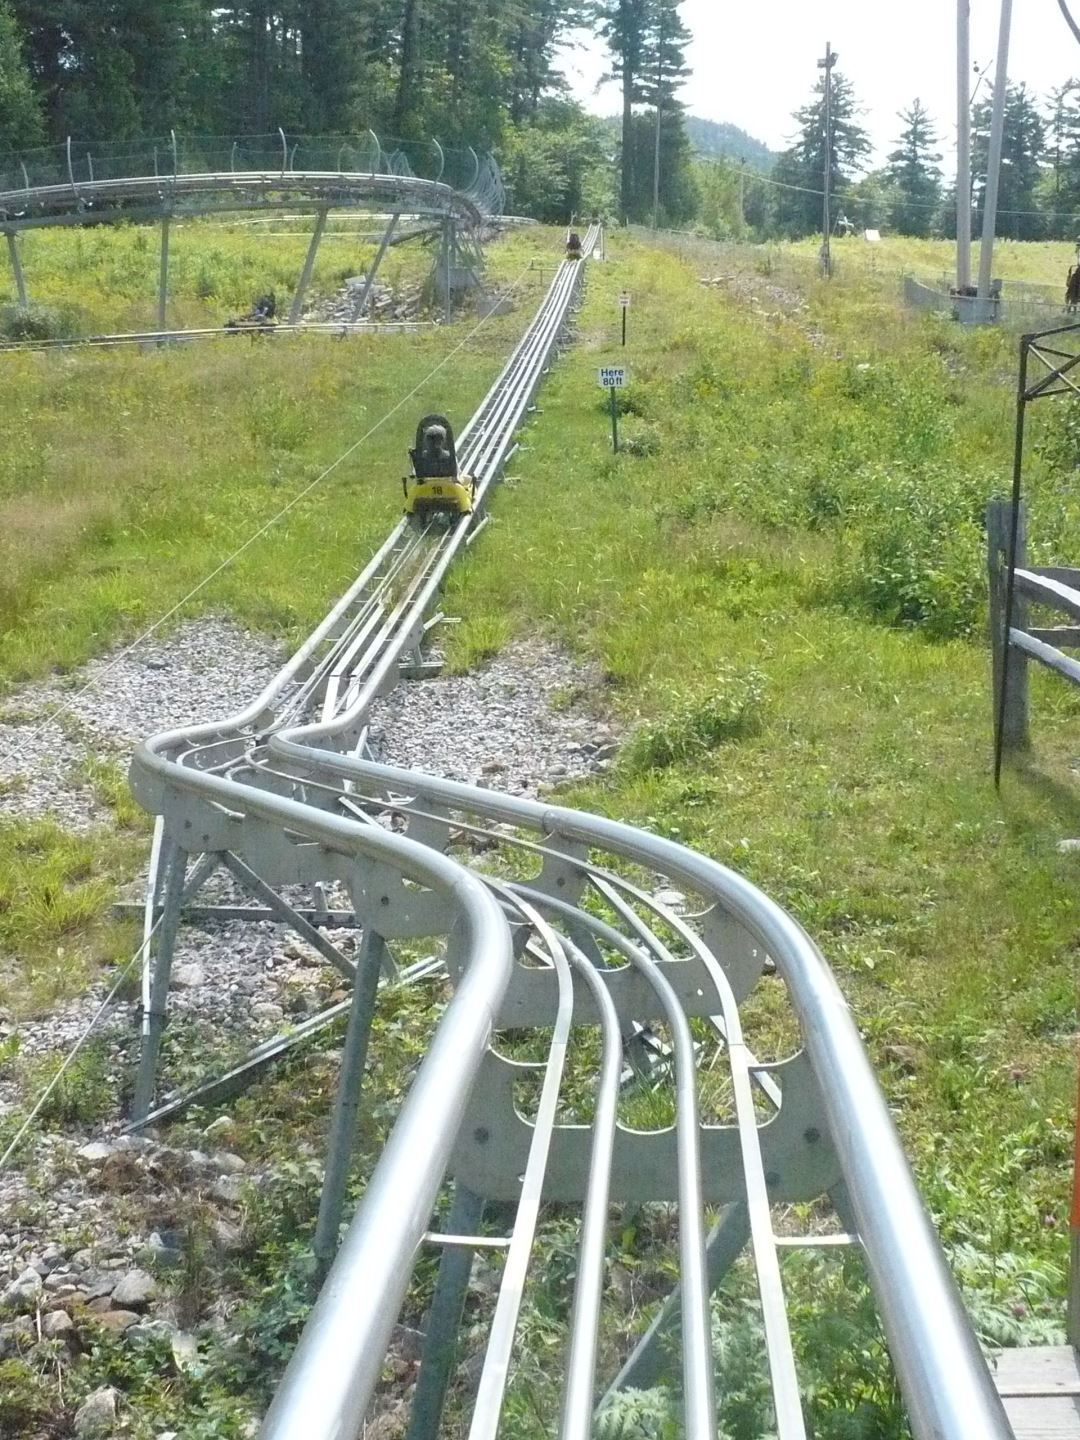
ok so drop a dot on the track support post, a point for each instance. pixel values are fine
(155, 1000)
(449, 245)
(444, 1318)
(309, 265)
(369, 281)
(17, 270)
(163, 275)
(1011, 712)
(343, 1124)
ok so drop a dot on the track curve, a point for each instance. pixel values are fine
(136, 196)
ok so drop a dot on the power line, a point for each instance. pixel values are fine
(909, 204)
(1069, 19)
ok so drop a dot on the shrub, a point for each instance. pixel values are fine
(637, 1415)
(36, 322)
(917, 558)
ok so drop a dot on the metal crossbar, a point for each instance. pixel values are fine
(552, 926)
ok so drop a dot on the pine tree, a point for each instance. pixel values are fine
(20, 110)
(328, 64)
(1059, 189)
(914, 171)
(802, 165)
(664, 71)
(624, 25)
(1022, 149)
(646, 40)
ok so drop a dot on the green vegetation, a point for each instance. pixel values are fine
(104, 279)
(55, 892)
(132, 475)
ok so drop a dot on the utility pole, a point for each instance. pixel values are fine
(826, 225)
(993, 166)
(656, 146)
(963, 146)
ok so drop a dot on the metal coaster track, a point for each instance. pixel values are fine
(285, 794)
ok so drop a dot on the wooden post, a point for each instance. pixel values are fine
(1015, 732)
(1072, 1323)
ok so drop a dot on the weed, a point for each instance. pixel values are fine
(109, 783)
(25, 1399)
(56, 890)
(693, 724)
(84, 1093)
(637, 1415)
(476, 639)
(36, 322)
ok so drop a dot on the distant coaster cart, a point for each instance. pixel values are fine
(436, 490)
(261, 319)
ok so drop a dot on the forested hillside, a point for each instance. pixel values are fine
(713, 138)
(469, 72)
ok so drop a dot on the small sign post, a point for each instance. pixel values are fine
(624, 305)
(612, 378)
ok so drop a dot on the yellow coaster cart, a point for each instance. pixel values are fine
(435, 489)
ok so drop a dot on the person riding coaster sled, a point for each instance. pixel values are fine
(261, 316)
(435, 487)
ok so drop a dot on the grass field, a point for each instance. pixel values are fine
(1044, 262)
(782, 578)
(105, 279)
(134, 474)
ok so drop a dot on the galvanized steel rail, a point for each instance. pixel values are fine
(579, 946)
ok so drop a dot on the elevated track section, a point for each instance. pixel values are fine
(415, 186)
(623, 960)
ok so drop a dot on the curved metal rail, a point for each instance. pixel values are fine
(133, 196)
(76, 182)
(285, 794)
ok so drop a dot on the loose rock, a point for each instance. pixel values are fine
(24, 1290)
(97, 1414)
(135, 1290)
(117, 1320)
(57, 1325)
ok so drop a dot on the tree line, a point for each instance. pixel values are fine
(485, 73)
(468, 72)
(1038, 196)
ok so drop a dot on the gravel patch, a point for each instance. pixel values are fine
(202, 671)
(383, 303)
(524, 721)
(40, 767)
(86, 1212)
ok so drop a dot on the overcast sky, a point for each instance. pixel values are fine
(753, 63)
